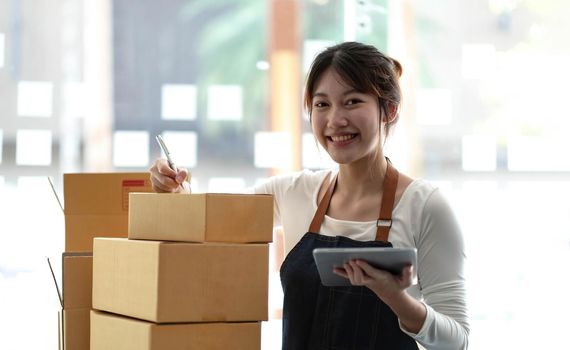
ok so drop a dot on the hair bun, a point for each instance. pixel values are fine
(397, 67)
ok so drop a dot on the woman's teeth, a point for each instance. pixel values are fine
(342, 138)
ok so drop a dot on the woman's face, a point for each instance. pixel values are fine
(346, 122)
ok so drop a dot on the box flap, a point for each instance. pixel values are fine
(55, 282)
(102, 193)
(60, 330)
(55, 194)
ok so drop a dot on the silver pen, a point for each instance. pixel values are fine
(168, 158)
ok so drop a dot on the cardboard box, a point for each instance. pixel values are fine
(167, 282)
(76, 325)
(77, 280)
(229, 218)
(73, 324)
(97, 205)
(110, 332)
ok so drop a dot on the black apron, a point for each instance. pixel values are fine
(316, 317)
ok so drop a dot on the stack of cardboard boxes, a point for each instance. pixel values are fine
(193, 274)
(95, 205)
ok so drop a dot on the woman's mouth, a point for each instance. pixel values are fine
(341, 138)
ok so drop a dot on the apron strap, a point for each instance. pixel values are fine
(315, 226)
(384, 222)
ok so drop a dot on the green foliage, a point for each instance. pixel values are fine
(231, 42)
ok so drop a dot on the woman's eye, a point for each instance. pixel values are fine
(353, 101)
(320, 104)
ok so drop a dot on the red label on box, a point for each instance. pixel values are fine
(128, 187)
(133, 183)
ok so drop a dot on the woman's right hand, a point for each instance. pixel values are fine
(166, 180)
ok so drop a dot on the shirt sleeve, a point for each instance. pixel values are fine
(441, 260)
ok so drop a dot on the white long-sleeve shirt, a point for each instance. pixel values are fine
(421, 219)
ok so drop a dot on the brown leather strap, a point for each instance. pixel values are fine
(384, 222)
(315, 226)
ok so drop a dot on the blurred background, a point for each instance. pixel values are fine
(85, 85)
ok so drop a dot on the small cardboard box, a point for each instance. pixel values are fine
(229, 218)
(167, 282)
(114, 332)
(76, 300)
(97, 205)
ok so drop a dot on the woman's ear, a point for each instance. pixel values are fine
(391, 113)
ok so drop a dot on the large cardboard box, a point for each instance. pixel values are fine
(231, 218)
(114, 332)
(97, 205)
(166, 282)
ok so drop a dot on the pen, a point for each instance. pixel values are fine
(168, 158)
(166, 152)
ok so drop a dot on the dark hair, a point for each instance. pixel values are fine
(364, 68)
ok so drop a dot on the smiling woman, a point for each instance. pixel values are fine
(353, 95)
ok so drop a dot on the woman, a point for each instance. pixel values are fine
(353, 96)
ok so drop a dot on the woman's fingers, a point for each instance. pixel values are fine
(401, 281)
(369, 270)
(182, 175)
(407, 276)
(360, 273)
(164, 179)
(163, 183)
(164, 168)
(340, 271)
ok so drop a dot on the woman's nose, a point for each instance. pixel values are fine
(338, 118)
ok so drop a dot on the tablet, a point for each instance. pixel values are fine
(389, 259)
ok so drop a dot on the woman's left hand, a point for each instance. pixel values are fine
(384, 284)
